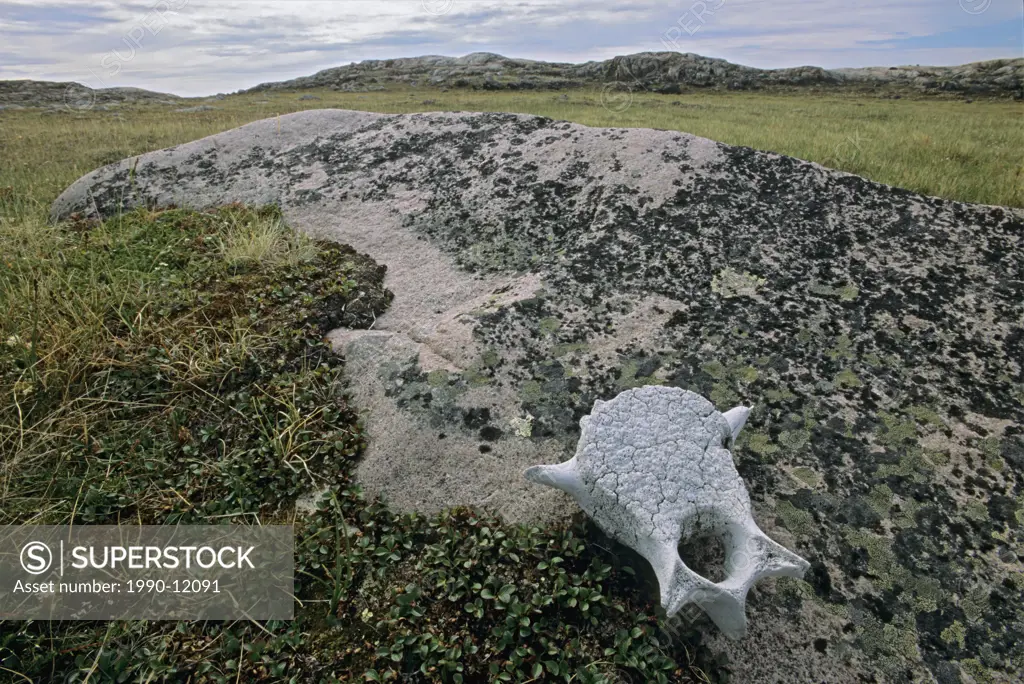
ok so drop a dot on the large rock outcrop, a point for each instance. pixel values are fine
(539, 265)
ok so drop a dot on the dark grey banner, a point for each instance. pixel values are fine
(106, 572)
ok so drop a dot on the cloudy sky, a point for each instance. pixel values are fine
(201, 47)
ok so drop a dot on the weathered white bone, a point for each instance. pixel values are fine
(650, 468)
(737, 418)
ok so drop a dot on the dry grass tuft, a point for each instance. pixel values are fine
(265, 242)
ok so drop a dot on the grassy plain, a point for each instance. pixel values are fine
(973, 152)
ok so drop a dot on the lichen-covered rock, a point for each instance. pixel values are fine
(651, 468)
(28, 93)
(539, 266)
(657, 72)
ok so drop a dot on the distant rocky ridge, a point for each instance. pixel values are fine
(28, 93)
(661, 72)
(665, 72)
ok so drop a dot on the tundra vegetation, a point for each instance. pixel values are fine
(168, 366)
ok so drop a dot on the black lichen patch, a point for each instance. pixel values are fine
(476, 417)
(490, 433)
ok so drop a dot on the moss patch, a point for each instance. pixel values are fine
(795, 520)
(730, 283)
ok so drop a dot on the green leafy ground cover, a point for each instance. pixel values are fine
(169, 367)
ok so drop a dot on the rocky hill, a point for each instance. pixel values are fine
(668, 72)
(28, 93)
(662, 72)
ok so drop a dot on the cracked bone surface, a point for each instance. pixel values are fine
(652, 468)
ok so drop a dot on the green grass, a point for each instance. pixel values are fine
(110, 329)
